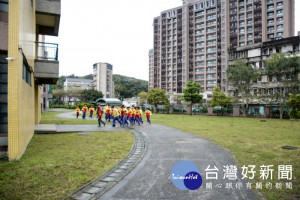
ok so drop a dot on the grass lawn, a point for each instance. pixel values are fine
(55, 165)
(251, 141)
(50, 118)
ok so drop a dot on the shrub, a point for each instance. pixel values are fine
(82, 104)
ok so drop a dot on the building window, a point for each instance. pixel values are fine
(279, 4)
(270, 36)
(279, 19)
(26, 73)
(270, 14)
(249, 29)
(271, 21)
(270, 7)
(271, 29)
(280, 27)
(242, 44)
(279, 12)
(279, 34)
(242, 37)
(242, 30)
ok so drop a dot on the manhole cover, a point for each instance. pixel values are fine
(263, 120)
(84, 134)
(289, 147)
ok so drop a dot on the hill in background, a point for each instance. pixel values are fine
(125, 87)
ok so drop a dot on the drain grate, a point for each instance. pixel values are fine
(289, 147)
(84, 134)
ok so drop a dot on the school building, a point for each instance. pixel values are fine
(26, 62)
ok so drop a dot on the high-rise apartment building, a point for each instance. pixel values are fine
(103, 79)
(191, 42)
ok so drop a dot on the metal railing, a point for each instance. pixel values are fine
(46, 51)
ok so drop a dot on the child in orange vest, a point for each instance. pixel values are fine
(77, 112)
(99, 115)
(91, 111)
(148, 115)
(84, 110)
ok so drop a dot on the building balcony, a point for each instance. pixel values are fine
(46, 70)
(48, 16)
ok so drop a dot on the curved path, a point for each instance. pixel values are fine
(166, 146)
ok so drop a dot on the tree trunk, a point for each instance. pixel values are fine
(191, 109)
(244, 110)
(155, 108)
(281, 111)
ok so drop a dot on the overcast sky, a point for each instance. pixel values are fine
(119, 32)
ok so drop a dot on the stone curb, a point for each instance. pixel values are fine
(98, 186)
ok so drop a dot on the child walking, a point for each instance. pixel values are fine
(148, 115)
(77, 112)
(91, 110)
(100, 114)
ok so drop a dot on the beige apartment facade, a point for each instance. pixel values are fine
(191, 42)
(103, 79)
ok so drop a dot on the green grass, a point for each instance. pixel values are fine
(54, 165)
(51, 118)
(251, 141)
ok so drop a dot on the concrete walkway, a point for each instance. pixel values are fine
(52, 128)
(70, 115)
(150, 179)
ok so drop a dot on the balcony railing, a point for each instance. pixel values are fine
(47, 51)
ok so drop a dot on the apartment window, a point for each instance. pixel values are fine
(242, 23)
(249, 22)
(201, 76)
(270, 14)
(210, 69)
(279, 4)
(279, 27)
(279, 19)
(279, 34)
(249, 7)
(270, 7)
(249, 15)
(270, 36)
(249, 42)
(4, 6)
(242, 30)
(249, 29)
(242, 44)
(200, 63)
(211, 82)
(242, 16)
(271, 21)
(242, 37)
(199, 70)
(241, 10)
(271, 29)
(211, 62)
(249, 36)
(269, 1)
(26, 75)
(279, 12)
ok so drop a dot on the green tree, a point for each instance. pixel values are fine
(219, 98)
(294, 104)
(90, 95)
(58, 97)
(192, 94)
(242, 76)
(157, 97)
(143, 97)
(283, 70)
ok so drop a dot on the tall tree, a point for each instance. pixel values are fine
(284, 71)
(219, 98)
(192, 94)
(90, 95)
(143, 97)
(242, 76)
(157, 97)
(294, 104)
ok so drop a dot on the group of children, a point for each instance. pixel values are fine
(117, 114)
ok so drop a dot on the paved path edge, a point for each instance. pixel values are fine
(101, 184)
